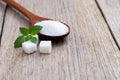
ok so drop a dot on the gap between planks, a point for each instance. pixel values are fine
(112, 34)
(3, 23)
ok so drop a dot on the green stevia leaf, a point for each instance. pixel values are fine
(18, 42)
(33, 39)
(35, 30)
(28, 38)
(24, 31)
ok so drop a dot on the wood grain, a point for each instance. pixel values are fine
(111, 11)
(2, 13)
(88, 53)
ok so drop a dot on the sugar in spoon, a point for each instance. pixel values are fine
(52, 29)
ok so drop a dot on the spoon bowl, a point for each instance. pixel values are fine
(35, 19)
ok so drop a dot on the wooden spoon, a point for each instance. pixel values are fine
(34, 19)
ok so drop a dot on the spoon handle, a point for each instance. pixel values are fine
(32, 17)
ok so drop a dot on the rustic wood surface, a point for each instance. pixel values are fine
(90, 52)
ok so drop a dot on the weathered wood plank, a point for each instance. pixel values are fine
(111, 11)
(2, 12)
(88, 53)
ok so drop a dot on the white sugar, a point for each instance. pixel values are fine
(53, 28)
(30, 47)
(45, 47)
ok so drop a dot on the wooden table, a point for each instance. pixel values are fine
(90, 52)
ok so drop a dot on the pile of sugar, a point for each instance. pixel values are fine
(53, 28)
